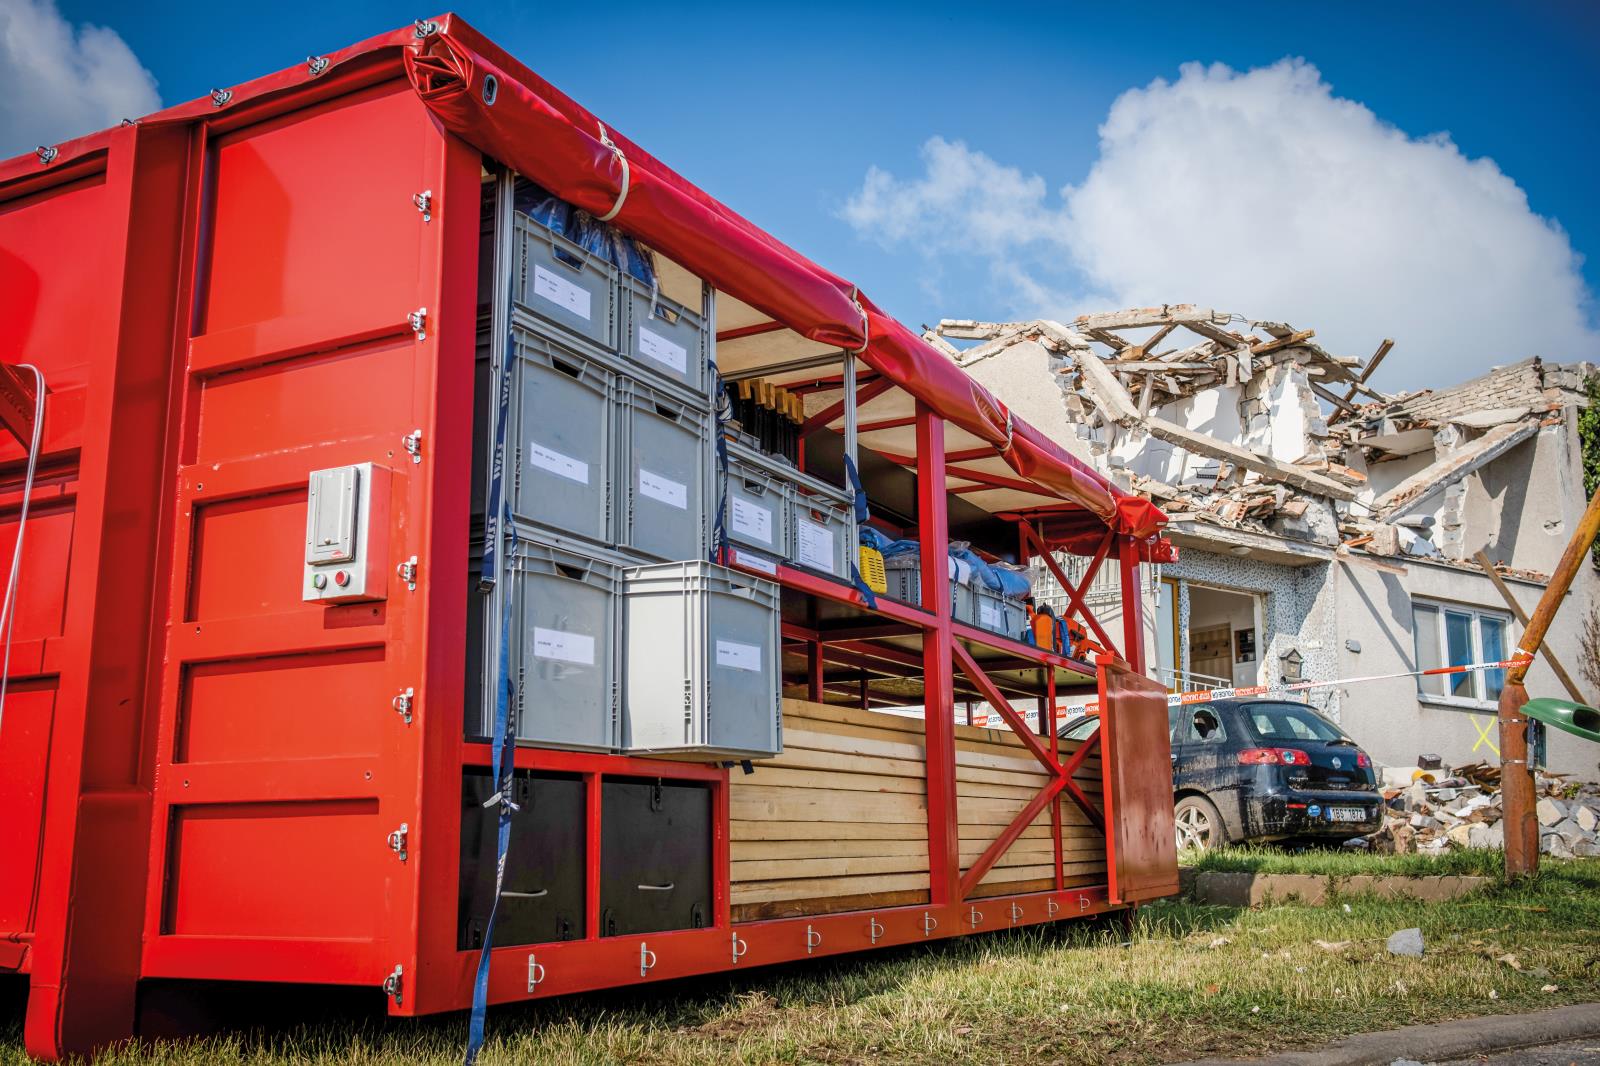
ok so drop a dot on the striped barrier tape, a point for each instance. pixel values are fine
(1206, 695)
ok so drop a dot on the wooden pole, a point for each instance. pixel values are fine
(1516, 775)
(1522, 620)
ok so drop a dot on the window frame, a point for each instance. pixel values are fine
(1480, 699)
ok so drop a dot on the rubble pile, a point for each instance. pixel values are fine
(1464, 811)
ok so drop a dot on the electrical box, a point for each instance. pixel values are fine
(347, 524)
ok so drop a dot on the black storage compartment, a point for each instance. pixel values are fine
(542, 897)
(655, 856)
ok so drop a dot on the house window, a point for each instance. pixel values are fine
(1447, 635)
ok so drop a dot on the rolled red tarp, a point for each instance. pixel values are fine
(496, 104)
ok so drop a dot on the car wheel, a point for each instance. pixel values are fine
(1199, 825)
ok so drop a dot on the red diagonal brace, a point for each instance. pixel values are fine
(1003, 842)
(1071, 786)
(1075, 604)
(998, 701)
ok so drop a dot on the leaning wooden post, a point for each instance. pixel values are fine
(1516, 775)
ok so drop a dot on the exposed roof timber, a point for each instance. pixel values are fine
(1419, 487)
(1266, 466)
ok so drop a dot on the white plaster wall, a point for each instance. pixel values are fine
(1386, 717)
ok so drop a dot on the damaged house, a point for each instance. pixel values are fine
(1327, 530)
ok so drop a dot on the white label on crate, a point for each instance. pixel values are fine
(738, 656)
(751, 520)
(560, 465)
(663, 351)
(672, 493)
(988, 614)
(756, 562)
(814, 545)
(564, 646)
(561, 292)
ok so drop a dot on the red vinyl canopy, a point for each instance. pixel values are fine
(489, 99)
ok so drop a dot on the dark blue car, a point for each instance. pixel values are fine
(1263, 769)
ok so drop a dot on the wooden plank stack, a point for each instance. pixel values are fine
(839, 820)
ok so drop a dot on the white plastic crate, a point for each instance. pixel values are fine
(821, 528)
(701, 667)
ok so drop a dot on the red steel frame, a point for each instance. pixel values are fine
(144, 843)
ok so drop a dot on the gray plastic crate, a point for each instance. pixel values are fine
(663, 472)
(905, 584)
(568, 631)
(758, 502)
(665, 339)
(563, 446)
(821, 528)
(701, 662)
(562, 284)
(987, 609)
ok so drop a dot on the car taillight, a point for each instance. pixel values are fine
(1274, 757)
(1363, 760)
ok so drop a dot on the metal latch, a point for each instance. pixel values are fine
(397, 840)
(813, 939)
(1016, 913)
(408, 573)
(413, 444)
(975, 917)
(419, 323)
(647, 959)
(394, 984)
(424, 202)
(739, 948)
(535, 973)
(404, 702)
(929, 923)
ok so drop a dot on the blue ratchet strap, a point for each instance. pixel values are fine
(724, 412)
(863, 512)
(504, 726)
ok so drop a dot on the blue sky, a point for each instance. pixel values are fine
(781, 113)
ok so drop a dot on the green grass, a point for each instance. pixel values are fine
(1345, 862)
(1193, 981)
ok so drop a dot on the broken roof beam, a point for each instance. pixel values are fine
(1180, 314)
(967, 329)
(1266, 466)
(1419, 487)
(1093, 373)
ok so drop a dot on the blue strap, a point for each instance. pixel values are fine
(496, 505)
(495, 527)
(863, 512)
(723, 413)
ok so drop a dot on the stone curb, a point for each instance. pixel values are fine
(1445, 1040)
(1258, 890)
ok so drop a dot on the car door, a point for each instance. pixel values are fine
(1203, 758)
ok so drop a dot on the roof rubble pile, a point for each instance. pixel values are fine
(1464, 811)
(1279, 464)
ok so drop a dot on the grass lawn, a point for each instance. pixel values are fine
(1345, 862)
(1193, 981)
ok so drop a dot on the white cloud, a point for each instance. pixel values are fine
(63, 81)
(1265, 194)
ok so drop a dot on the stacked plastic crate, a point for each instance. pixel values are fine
(777, 512)
(610, 467)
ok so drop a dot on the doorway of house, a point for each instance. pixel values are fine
(1223, 638)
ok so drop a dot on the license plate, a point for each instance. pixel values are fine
(1346, 814)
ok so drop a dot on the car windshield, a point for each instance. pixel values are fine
(1289, 721)
(1082, 729)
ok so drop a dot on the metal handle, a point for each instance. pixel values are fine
(668, 887)
(929, 923)
(1050, 907)
(874, 929)
(535, 973)
(813, 939)
(525, 895)
(1016, 912)
(647, 960)
(739, 948)
(974, 916)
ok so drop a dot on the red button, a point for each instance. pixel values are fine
(341, 578)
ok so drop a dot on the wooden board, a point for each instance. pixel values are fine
(839, 820)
